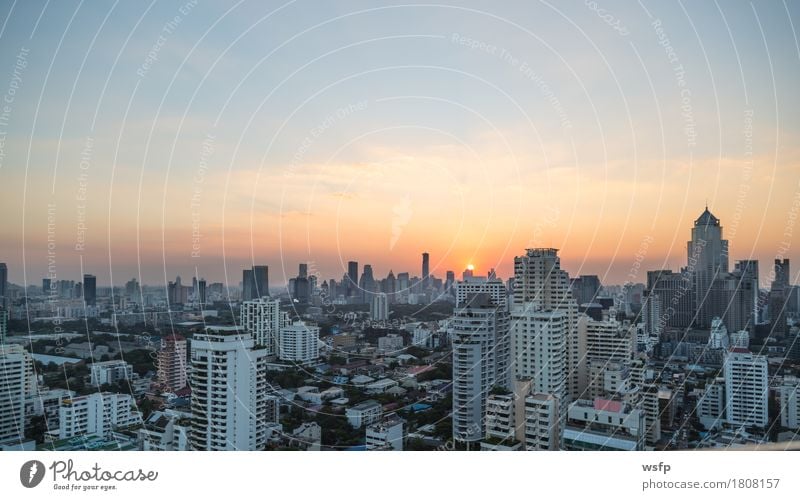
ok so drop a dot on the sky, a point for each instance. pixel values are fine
(198, 138)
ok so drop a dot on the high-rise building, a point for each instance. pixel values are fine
(449, 282)
(172, 363)
(201, 292)
(478, 284)
(476, 330)
(585, 288)
(651, 314)
(541, 285)
(425, 270)
(300, 286)
(539, 350)
(746, 388)
(607, 348)
(248, 284)
(299, 343)
(3, 325)
(675, 298)
(16, 371)
(707, 261)
(46, 283)
(229, 389)
(779, 296)
(379, 307)
(3, 284)
(263, 319)
(782, 272)
(352, 277)
(366, 284)
(90, 289)
(260, 281)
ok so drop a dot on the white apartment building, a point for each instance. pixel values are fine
(16, 374)
(606, 349)
(364, 413)
(790, 409)
(539, 349)
(542, 427)
(500, 421)
(390, 343)
(471, 285)
(386, 435)
(97, 414)
(229, 391)
(539, 280)
(746, 388)
(711, 405)
(299, 343)
(263, 319)
(479, 334)
(379, 307)
(422, 336)
(110, 372)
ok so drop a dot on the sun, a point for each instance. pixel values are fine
(470, 267)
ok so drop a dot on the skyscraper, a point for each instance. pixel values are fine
(3, 325)
(425, 270)
(366, 284)
(707, 262)
(229, 384)
(541, 285)
(3, 284)
(352, 276)
(90, 289)
(779, 294)
(248, 285)
(675, 296)
(585, 288)
(201, 291)
(261, 281)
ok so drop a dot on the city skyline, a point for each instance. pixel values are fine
(470, 131)
(635, 274)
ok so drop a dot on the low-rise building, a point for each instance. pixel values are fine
(364, 413)
(110, 372)
(604, 425)
(386, 435)
(165, 431)
(97, 414)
